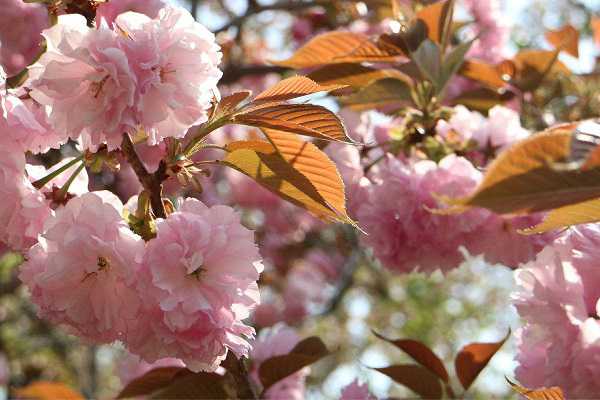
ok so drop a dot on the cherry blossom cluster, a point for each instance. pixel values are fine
(183, 293)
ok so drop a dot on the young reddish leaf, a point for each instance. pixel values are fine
(305, 353)
(293, 87)
(530, 176)
(339, 47)
(482, 99)
(303, 119)
(581, 213)
(487, 74)
(438, 19)
(531, 67)
(47, 391)
(553, 393)
(382, 93)
(152, 381)
(355, 75)
(421, 354)
(473, 358)
(595, 22)
(295, 170)
(565, 38)
(229, 103)
(201, 386)
(416, 378)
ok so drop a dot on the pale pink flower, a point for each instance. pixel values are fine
(24, 209)
(276, 341)
(82, 272)
(109, 11)
(469, 125)
(356, 391)
(199, 283)
(403, 233)
(131, 367)
(490, 28)
(559, 345)
(85, 70)
(176, 63)
(305, 291)
(503, 127)
(21, 25)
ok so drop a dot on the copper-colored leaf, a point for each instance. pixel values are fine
(581, 213)
(382, 93)
(473, 358)
(295, 170)
(303, 119)
(47, 391)
(530, 177)
(305, 353)
(438, 18)
(200, 386)
(152, 381)
(533, 66)
(339, 47)
(294, 87)
(565, 38)
(229, 103)
(482, 99)
(595, 22)
(553, 393)
(418, 379)
(485, 73)
(421, 354)
(355, 75)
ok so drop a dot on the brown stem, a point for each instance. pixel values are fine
(151, 182)
(238, 371)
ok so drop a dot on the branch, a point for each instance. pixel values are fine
(151, 182)
(282, 5)
(232, 73)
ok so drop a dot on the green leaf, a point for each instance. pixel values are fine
(428, 59)
(452, 63)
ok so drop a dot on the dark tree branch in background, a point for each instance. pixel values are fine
(233, 73)
(254, 9)
(194, 11)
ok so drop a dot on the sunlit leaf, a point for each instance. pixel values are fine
(418, 379)
(487, 74)
(295, 170)
(533, 66)
(438, 18)
(47, 391)
(305, 353)
(381, 93)
(595, 22)
(354, 75)
(473, 358)
(553, 393)
(563, 217)
(482, 99)
(152, 381)
(339, 47)
(294, 87)
(530, 177)
(565, 38)
(229, 103)
(302, 119)
(421, 354)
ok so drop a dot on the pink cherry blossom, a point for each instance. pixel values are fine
(199, 282)
(131, 366)
(85, 70)
(559, 345)
(469, 125)
(403, 233)
(176, 63)
(276, 341)
(490, 28)
(356, 391)
(504, 127)
(82, 272)
(21, 25)
(109, 11)
(24, 209)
